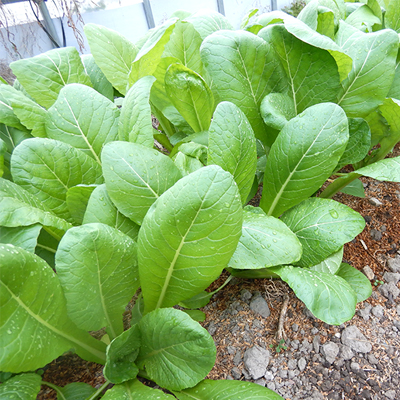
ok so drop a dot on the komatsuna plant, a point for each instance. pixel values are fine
(96, 203)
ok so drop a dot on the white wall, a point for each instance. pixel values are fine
(130, 21)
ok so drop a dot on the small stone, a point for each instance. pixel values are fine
(378, 311)
(398, 310)
(330, 350)
(295, 327)
(375, 234)
(236, 373)
(271, 386)
(391, 277)
(212, 328)
(390, 394)
(269, 376)
(283, 373)
(345, 352)
(374, 201)
(396, 323)
(352, 337)
(316, 343)
(238, 358)
(292, 364)
(367, 270)
(389, 290)
(314, 331)
(372, 359)
(302, 364)
(256, 360)
(231, 350)
(260, 382)
(394, 264)
(364, 313)
(355, 367)
(260, 306)
(245, 295)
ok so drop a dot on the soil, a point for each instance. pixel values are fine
(236, 328)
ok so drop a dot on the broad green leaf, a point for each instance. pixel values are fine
(100, 208)
(395, 89)
(21, 387)
(184, 44)
(232, 146)
(121, 355)
(329, 297)
(97, 268)
(197, 301)
(21, 208)
(31, 115)
(97, 77)
(7, 114)
(22, 236)
(181, 14)
(331, 264)
(149, 55)
(177, 352)
(276, 110)
(135, 123)
(227, 390)
(357, 280)
(112, 52)
(3, 81)
(326, 22)
(45, 75)
(390, 109)
(76, 391)
(186, 164)
(359, 142)
(12, 137)
(303, 157)
(378, 126)
(77, 199)
(244, 69)
(206, 22)
(383, 170)
(191, 96)
(136, 176)
(34, 325)
(392, 16)
(84, 119)
(354, 188)
(47, 168)
(308, 35)
(135, 390)
(323, 226)
(196, 315)
(310, 13)
(364, 19)
(179, 254)
(265, 242)
(374, 61)
(312, 74)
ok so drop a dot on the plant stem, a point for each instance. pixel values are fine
(338, 184)
(52, 233)
(46, 248)
(223, 285)
(98, 391)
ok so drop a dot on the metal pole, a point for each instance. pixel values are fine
(149, 14)
(48, 22)
(221, 8)
(273, 5)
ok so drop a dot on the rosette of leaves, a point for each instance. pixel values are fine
(91, 210)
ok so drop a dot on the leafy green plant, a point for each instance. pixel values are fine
(91, 210)
(280, 346)
(295, 7)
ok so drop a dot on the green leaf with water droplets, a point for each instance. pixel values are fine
(323, 226)
(21, 387)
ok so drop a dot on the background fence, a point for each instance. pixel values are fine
(132, 21)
